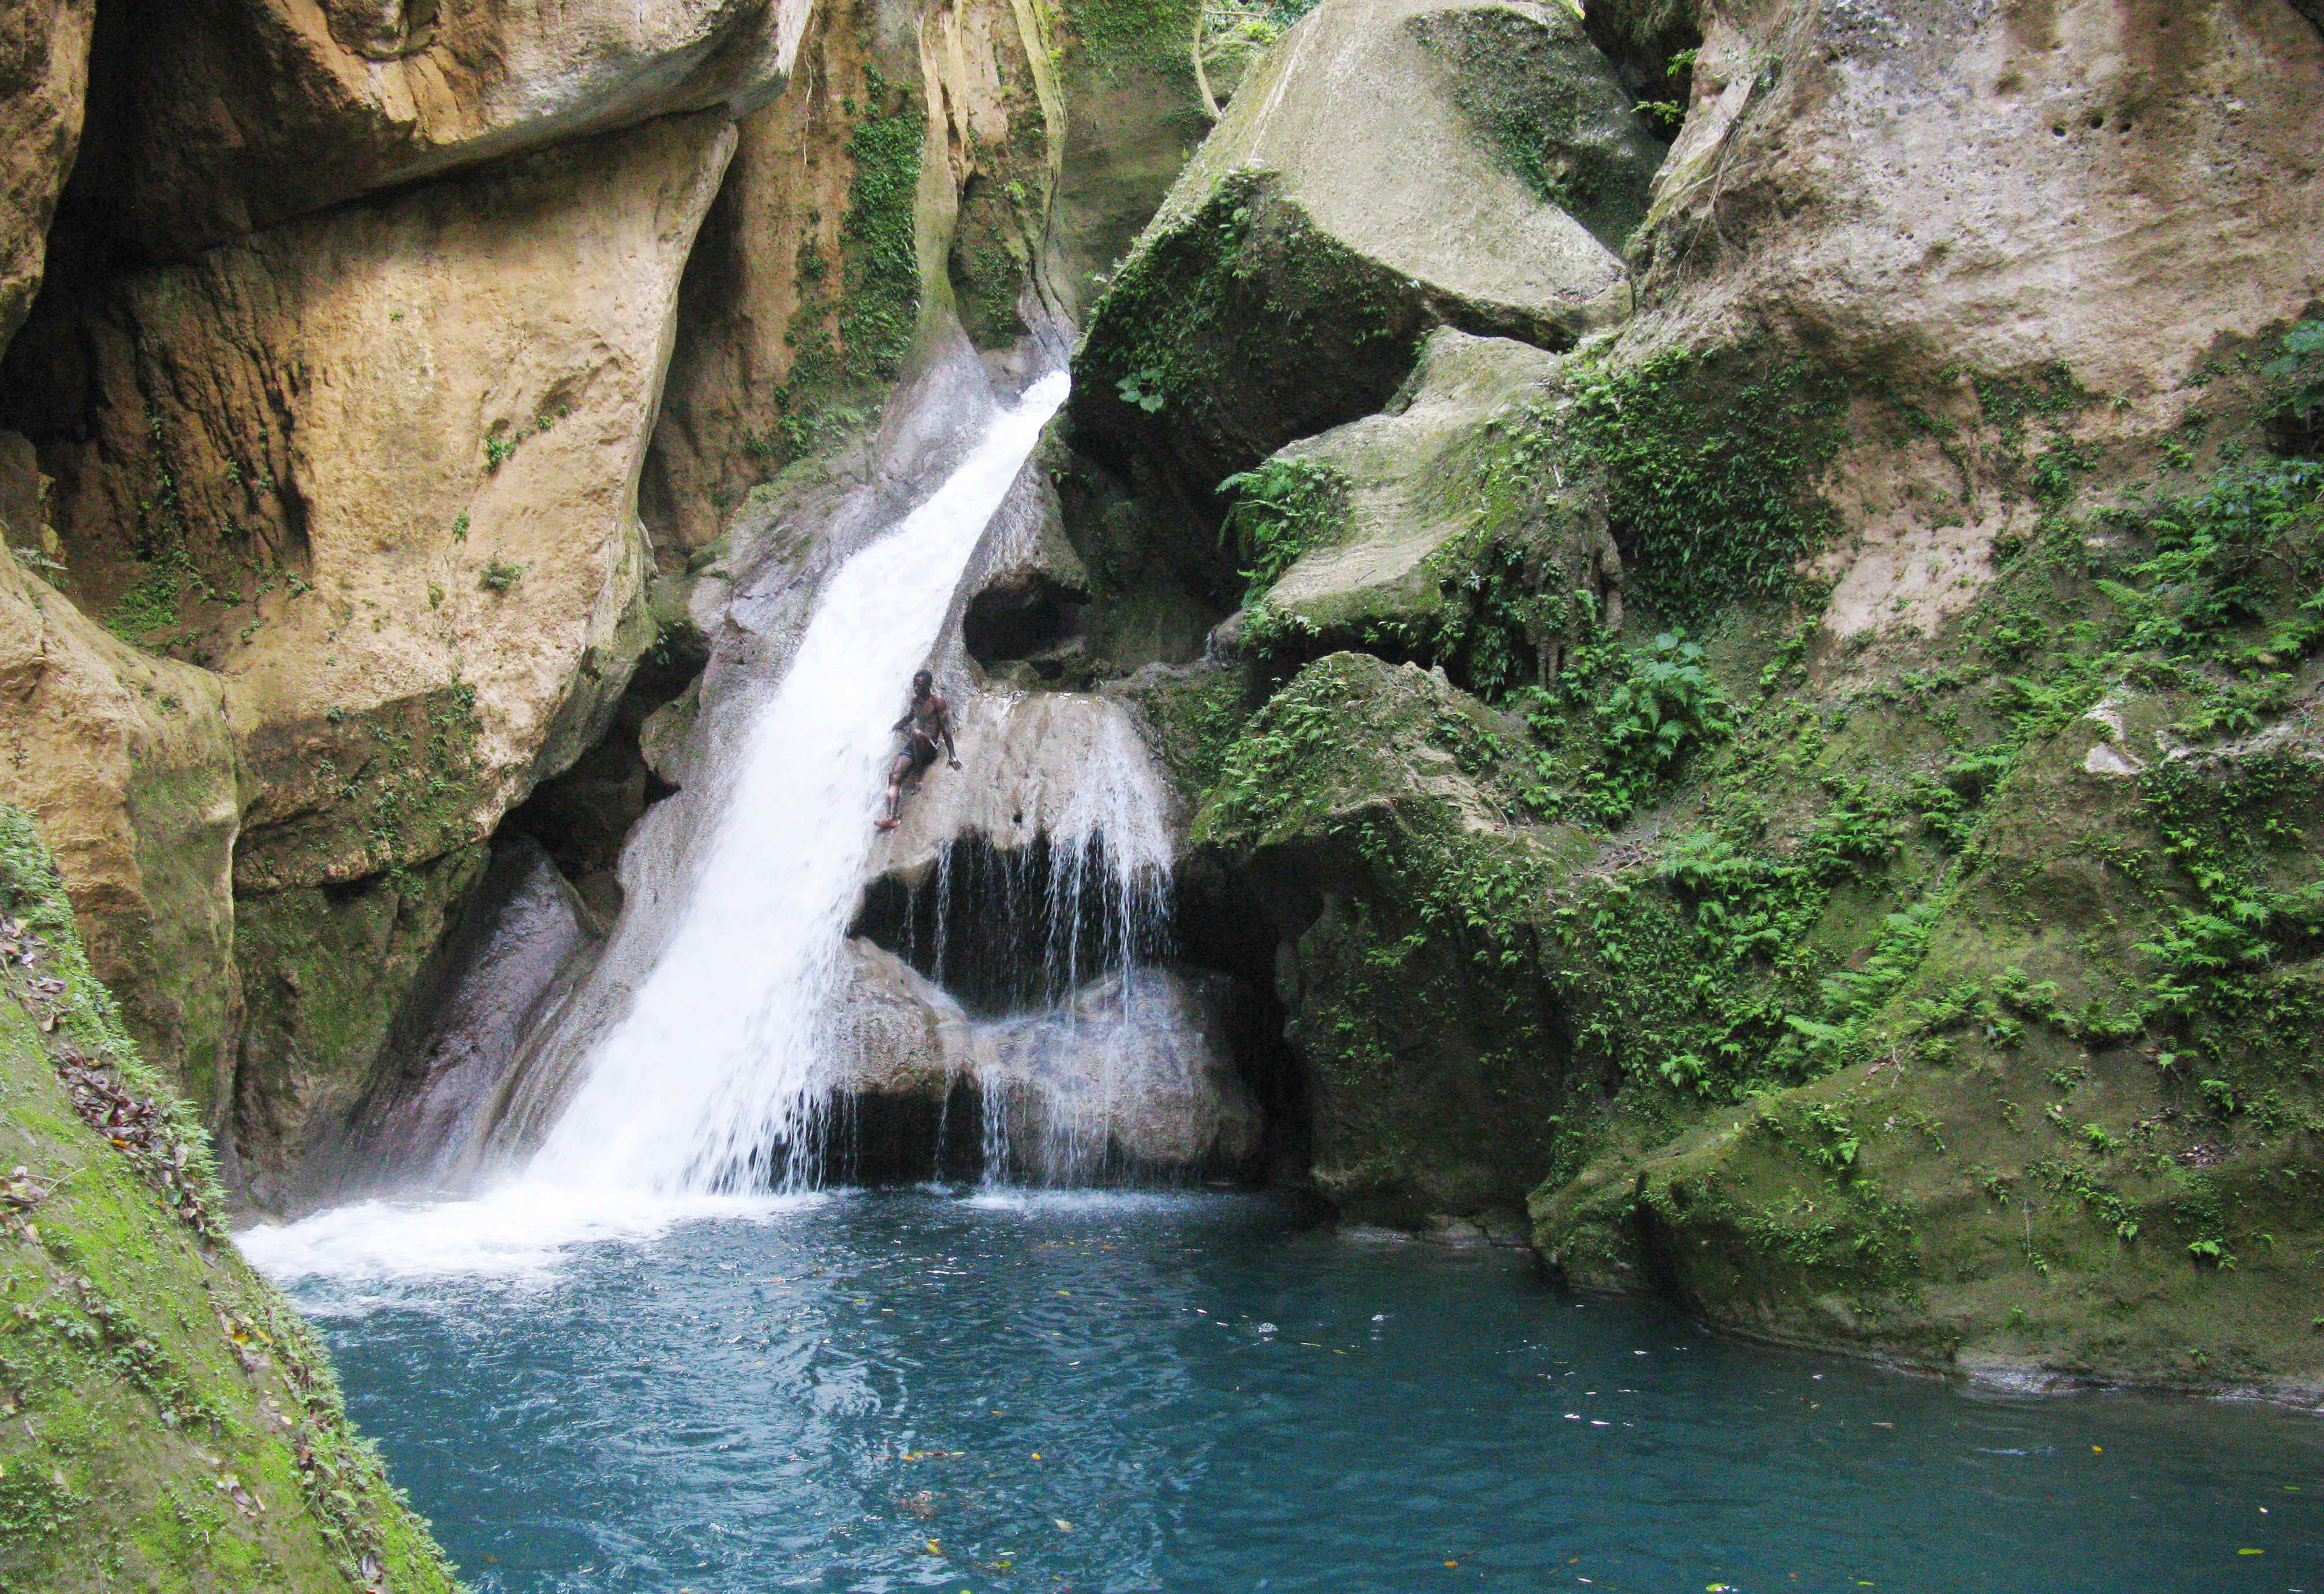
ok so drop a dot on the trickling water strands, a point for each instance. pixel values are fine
(710, 1082)
(1007, 928)
(1051, 946)
(1113, 847)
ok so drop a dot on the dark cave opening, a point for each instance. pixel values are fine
(582, 815)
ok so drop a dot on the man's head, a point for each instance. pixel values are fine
(922, 685)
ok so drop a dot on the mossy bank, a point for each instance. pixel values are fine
(170, 1422)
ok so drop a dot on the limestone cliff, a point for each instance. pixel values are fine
(1729, 584)
(356, 461)
(218, 118)
(44, 44)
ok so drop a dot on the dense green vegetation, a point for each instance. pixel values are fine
(1278, 511)
(2033, 913)
(1710, 464)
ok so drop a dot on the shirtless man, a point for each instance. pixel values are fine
(928, 718)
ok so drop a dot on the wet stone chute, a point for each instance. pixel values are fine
(711, 1080)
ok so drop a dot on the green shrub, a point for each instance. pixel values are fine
(2220, 557)
(2301, 368)
(1650, 708)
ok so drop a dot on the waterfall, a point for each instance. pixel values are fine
(1083, 918)
(1025, 987)
(710, 1081)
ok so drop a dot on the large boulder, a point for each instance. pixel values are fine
(1388, 169)
(221, 117)
(1434, 499)
(44, 76)
(1063, 766)
(1364, 815)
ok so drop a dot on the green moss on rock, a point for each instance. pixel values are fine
(1541, 96)
(1363, 806)
(170, 1424)
(1464, 529)
(2008, 965)
(1228, 336)
(1711, 459)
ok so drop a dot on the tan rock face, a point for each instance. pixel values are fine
(230, 115)
(1379, 120)
(127, 762)
(2110, 183)
(44, 74)
(912, 164)
(2108, 198)
(377, 470)
(766, 272)
(364, 485)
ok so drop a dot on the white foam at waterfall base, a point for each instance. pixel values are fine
(520, 1235)
(714, 1071)
(716, 1061)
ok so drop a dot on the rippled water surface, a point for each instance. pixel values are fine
(1197, 1394)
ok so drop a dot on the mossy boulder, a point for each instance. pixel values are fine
(1449, 488)
(1974, 1027)
(2030, 1171)
(172, 1423)
(1367, 808)
(1324, 229)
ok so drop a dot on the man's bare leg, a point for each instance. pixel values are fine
(895, 792)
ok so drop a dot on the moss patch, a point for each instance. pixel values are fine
(1710, 462)
(1537, 91)
(1354, 801)
(1114, 37)
(171, 1423)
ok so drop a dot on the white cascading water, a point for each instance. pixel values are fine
(1059, 1082)
(715, 1067)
